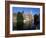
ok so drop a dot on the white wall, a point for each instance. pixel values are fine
(2, 19)
(28, 0)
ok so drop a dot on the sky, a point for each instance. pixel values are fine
(33, 11)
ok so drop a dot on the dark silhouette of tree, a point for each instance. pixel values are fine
(19, 21)
(36, 21)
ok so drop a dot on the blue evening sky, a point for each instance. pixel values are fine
(26, 10)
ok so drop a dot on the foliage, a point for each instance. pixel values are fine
(19, 21)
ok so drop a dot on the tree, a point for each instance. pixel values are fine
(36, 20)
(19, 21)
